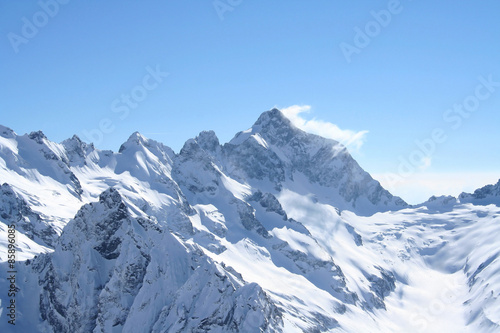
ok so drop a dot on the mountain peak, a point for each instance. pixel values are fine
(135, 139)
(208, 140)
(488, 190)
(272, 125)
(6, 132)
(111, 198)
(7, 189)
(485, 195)
(37, 136)
(76, 145)
(273, 118)
(77, 139)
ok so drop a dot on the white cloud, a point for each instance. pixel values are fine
(348, 138)
(418, 187)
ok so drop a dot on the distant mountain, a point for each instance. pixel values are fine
(489, 194)
(277, 230)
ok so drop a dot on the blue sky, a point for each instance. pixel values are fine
(68, 69)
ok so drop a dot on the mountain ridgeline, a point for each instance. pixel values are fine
(277, 230)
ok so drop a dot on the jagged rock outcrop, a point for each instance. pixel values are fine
(110, 271)
(14, 210)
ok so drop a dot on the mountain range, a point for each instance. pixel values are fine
(277, 230)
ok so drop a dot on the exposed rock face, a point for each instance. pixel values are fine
(110, 271)
(15, 210)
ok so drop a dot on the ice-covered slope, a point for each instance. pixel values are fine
(276, 231)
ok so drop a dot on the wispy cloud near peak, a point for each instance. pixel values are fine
(346, 137)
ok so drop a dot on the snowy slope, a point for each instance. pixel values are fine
(276, 231)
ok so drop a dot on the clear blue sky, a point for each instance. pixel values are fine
(71, 72)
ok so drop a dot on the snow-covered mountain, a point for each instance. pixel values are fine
(291, 159)
(489, 194)
(276, 231)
